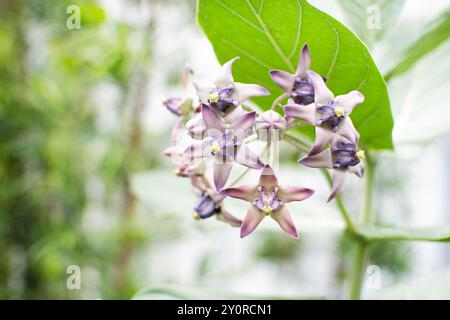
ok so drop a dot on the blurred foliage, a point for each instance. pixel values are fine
(49, 148)
(276, 247)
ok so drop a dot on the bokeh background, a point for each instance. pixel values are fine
(83, 180)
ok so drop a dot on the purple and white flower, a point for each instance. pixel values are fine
(179, 106)
(330, 114)
(268, 198)
(297, 85)
(210, 203)
(185, 167)
(224, 144)
(225, 95)
(342, 156)
(270, 125)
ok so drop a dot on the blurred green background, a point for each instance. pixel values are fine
(80, 120)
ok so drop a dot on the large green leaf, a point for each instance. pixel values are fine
(269, 34)
(438, 32)
(411, 234)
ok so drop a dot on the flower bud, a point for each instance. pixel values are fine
(269, 123)
(196, 127)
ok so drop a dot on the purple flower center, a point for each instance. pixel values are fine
(267, 201)
(344, 154)
(224, 146)
(220, 99)
(206, 206)
(330, 116)
(302, 92)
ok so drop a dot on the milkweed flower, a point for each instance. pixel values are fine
(270, 125)
(185, 166)
(342, 156)
(181, 107)
(224, 144)
(210, 203)
(268, 198)
(330, 114)
(297, 85)
(225, 95)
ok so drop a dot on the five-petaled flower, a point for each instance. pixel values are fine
(270, 125)
(225, 95)
(342, 156)
(210, 203)
(329, 114)
(224, 143)
(297, 85)
(268, 198)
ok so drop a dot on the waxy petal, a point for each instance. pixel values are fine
(322, 94)
(288, 194)
(320, 160)
(211, 119)
(248, 158)
(270, 120)
(348, 130)
(221, 174)
(304, 62)
(245, 192)
(268, 179)
(323, 137)
(203, 90)
(358, 169)
(225, 77)
(227, 217)
(350, 100)
(283, 79)
(307, 113)
(201, 149)
(245, 122)
(339, 176)
(244, 91)
(284, 219)
(251, 221)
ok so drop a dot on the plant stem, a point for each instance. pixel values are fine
(278, 100)
(360, 249)
(357, 269)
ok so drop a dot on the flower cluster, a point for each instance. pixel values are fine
(220, 126)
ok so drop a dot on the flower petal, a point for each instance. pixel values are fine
(203, 90)
(221, 174)
(225, 77)
(307, 113)
(322, 94)
(350, 100)
(284, 219)
(304, 62)
(268, 179)
(200, 149)
(248, 158)
(283, 79)
(339, 176)
(288, 194)
(251, 221)
(245, 192)
(244, 91)
(320, 160)
(323, 137)
(358, 169)
(211, 119)
(227, 217)
(244, 122)
(348, 130)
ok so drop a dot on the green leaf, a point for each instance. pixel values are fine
(176, 291)
(269, 34)
(438, 33)
(418, 234)
(370, 19)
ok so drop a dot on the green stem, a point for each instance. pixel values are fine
(357, 269)
(360, 249)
